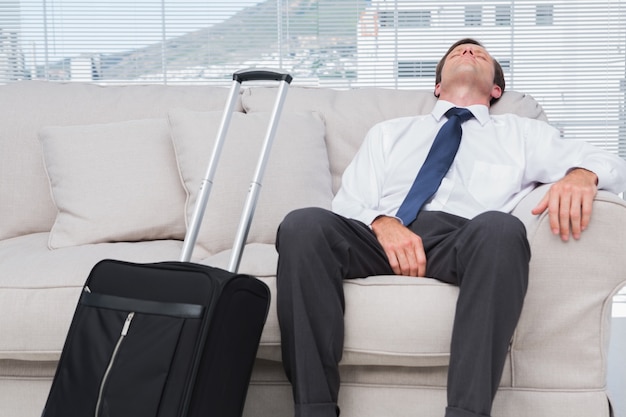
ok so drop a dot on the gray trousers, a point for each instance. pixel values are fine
(487, 257)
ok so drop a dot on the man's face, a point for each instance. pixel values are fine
(469, 63)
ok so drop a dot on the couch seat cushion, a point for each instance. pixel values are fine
(394, 320)
(390, 320)
(40, 288)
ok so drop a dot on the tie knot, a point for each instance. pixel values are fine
(463, 114)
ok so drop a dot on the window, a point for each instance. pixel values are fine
(11, 57)
(569, 55)
(503, 15)
(406, 18)
(387, 18)
(505, 64)
(544, 15)
(473, 15)
(413, 18)
(416, 69)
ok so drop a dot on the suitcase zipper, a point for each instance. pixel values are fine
(123, 334)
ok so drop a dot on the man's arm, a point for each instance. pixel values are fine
(569, 203)
(404, 248)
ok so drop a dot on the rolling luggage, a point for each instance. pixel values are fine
(169, 339)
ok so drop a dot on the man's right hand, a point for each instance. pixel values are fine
(404, 248)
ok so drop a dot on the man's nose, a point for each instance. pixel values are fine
(468, 49)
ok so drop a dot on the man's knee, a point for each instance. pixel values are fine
(500, 237)
(499, 240)
(304, 218)
(302, 225)
(499, 225)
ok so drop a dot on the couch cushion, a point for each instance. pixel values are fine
(349, 114)
(394, 320)
(297, 172)
(25, 202)
(258, 259)
(390, 320)
(113, 182)
(39, 288)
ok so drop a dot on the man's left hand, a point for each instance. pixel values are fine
(569, 202)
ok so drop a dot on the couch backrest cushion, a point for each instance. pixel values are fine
(25, 202)
(349, 114)
(297, 173)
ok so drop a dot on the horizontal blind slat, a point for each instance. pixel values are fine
(569, 55)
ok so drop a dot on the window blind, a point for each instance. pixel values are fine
(570, 55)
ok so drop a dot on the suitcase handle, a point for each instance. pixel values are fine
(261, 75)
(255, 185)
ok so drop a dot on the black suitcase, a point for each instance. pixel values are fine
(163, 339)
(169, 339)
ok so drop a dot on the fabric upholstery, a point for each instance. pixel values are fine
(571, 287)
(297, 172)
(25, 202)
(113, 182)
(348, 115)
(39, 288)
(397, 329)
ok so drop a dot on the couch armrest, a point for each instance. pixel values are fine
(563, 334)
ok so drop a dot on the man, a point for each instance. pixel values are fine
(463, 234)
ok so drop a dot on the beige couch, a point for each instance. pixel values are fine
(82, 166)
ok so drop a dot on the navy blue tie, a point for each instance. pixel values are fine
(436, 166)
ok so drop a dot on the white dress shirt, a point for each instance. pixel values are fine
(500, 160)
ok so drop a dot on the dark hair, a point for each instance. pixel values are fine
(498, 77)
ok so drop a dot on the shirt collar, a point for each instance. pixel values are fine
(480, 112)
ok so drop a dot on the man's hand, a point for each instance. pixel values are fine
(404, 248)
(569, 203)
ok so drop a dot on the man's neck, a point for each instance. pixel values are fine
(464, 96)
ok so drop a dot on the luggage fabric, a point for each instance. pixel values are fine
(163, 339)
(168, 339)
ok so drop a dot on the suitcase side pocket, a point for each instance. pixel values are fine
(112, 360)
(90, 343)
(118, 357)
(147, 343)
(138, 370)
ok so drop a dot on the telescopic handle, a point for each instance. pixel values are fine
(261, 75)
(207, 183)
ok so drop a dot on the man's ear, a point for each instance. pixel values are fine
(437, 89)
(496, 91)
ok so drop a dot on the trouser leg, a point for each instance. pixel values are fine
(487, 257)
(317, 251)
